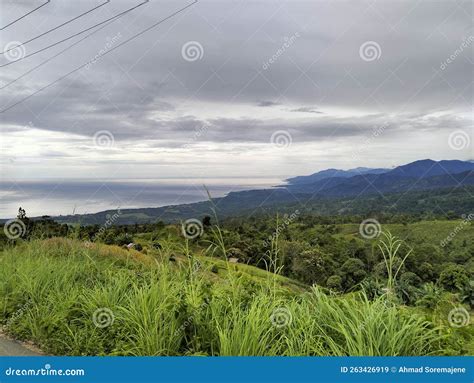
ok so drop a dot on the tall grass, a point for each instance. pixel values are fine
(390, 246)
(51, 289)
(356, 326)
(217, 242)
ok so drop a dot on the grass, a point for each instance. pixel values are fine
(389, 247)
(423, 231)
(71, 299)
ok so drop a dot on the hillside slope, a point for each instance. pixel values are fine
(71, 299)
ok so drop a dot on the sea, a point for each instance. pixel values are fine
(71, 196)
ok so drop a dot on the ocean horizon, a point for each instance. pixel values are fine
(64, 196)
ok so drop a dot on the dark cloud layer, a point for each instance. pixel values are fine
(327, 72)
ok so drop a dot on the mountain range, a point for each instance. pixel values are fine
(423, 186)
(418, 175)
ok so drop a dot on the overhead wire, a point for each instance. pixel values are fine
(95, 59)
(58, 26)
(72, 36)
(56, 55)
(26, 14)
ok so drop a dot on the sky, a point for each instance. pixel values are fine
(223, 89)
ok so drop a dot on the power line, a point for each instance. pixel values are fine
(57, 27)
(95, 59)
(72, 36)
(56, 55)
(26, 14)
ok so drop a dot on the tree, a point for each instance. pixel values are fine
(424, 252)
(21, 214)
(123, 239)
(454, 278)
(408, 287)
(334, 282)
(410, 279)
(206, 221)
(312, 266)
(26, 230)
(427, 272)
(352, 272)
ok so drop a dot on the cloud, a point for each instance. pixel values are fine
(267, 103)
(224, 106)
(306, 109)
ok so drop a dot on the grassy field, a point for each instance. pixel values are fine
(74, 299)
(423, 231)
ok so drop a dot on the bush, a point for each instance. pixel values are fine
(430, 295)
(353, 272)
(312, 266)
(138, 247)
(454, 278)
(334, 282)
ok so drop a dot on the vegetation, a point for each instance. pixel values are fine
(290, 285)
(150, 306)
(425, 204)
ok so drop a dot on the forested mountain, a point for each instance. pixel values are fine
(423, 187)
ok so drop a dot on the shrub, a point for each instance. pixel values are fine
(312, 266)
(454, 278)
(353, 272)
(334, 282)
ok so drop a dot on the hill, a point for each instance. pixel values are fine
(332, 173)
(418, 175)
(73, 299)
(421, 187)
(256, 202)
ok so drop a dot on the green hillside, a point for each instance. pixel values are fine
(75, 298)
(433, 203)
(433, 232)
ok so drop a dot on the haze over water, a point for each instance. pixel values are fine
(62, 197)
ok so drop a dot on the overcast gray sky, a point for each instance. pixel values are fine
(235, 88)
